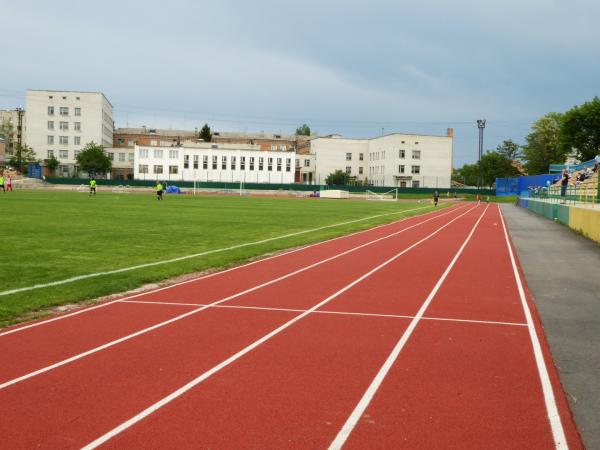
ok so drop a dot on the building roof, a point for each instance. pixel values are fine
(259, 135)
(72, 92)
(155, 131)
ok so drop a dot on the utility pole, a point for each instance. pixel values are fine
(481, 126)
(20, 113)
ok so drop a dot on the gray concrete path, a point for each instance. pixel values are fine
(562, 270)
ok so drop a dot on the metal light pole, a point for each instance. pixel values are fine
(481, 126)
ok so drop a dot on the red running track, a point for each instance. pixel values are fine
(410, 335)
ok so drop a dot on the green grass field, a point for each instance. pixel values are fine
(53, 235)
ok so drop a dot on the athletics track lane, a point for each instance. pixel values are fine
(464, 384)
(85, 398)
(32, 348)
(294, 390)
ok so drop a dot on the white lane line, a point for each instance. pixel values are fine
(558, 434)
(360, 408)
(343, 313)
(192, 280)
(195, 255)
(195, 311)
(182, 390)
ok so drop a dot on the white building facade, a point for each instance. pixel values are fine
(394, 160)
(214, 162)
(62, 123)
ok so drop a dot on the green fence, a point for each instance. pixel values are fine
(265, 186)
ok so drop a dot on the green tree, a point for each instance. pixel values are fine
(93, 160)
(52, 164)
(303, 130)
(22, 156)
(543, 145)
(466, 175)
(494, 165)
(337, 178)
(206, 133)
(580, 130)
(510, 150)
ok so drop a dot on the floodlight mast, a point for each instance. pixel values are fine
(481, 126)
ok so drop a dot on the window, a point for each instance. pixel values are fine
(224, 163)
(51, 125)
(401, 169)
(131, 142)
(307, 163)
(288, 164)
(415, 183)
(50, 153)
(77, 98)
(348, 170)
(214, 162)
(77, 152)
(251, 162)
(130, 157)
(50, 140)
(186, 161)
(233, 162)
(242, 163)
(416, 170)
(51, 96)
(143, 153)
(154, 142)
(282, 148)
(360, 170)
(278, 164)
(77, 126)
(361, 156)
(143, 168)
(158, 154)
(122, 157)
(77, 111)
(261, 163)
(111, 156)
(63, 154)
(348, 156)
(297, 163)
(64, 98)
(416, 142)
(273, 147)
(173, 170)
(401, 154)
(269, 164)
(64, 126)
(64, 110)
(158, 169)
(204, 162)
(403, 142)
(63, 140)
(173, 154)
(416, 154)
(121, 141)
(50, 110)
(77, 140)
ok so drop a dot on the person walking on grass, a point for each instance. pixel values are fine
(8, 183)
(436, 198)
(2, 183)
(159, 190)
(93, 187)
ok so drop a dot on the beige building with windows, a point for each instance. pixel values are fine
(61, 123)
(394, 160)
(9, 128)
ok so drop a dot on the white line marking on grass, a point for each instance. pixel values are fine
(182, 390)
(558, 434)
(43, 322)
(360, 408)
(189, 313)
(343, 313)
(195, 255)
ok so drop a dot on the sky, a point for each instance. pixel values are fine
(357, 68)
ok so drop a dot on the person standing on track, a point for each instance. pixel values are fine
(159, 190)
(436, 198)
(93, 186)
(478, 199)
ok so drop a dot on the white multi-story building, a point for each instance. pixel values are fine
(61, 123)
(395, 160)
(205, 161)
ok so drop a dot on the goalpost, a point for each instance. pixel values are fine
(391, 195)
